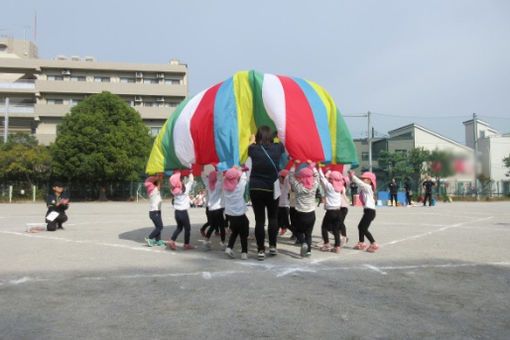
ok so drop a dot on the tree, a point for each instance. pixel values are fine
(102, 140)
(506, 161)
(22, 159)
(440, 165)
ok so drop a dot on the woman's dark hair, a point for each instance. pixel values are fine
(264, 135)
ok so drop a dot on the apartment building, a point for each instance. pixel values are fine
(37, 93)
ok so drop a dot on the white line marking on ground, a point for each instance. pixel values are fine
(287, 271)
(375, 269)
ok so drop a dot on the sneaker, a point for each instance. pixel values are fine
(202, 232)
(229, 252)
(188, 247)
(283, 231)
(273, 251)
(171, 244)
(373, 248)
(336, 250)
(207, 245)
(160, 243)
(308, 254)
(343, 241)
(261, 256)
(223, 246)
(304, 249)
(244, 256)
(360, 246)
(325, 247)
(150, 242)
(292, 237)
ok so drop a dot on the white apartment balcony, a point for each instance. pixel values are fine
(60, 110)
(52, 110)
(24, 86)
(18, 110)
(88, 87)
(154, 112)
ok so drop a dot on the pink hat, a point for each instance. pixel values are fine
(212, 179)
(175, 183)
(336, 179)
(371, 176)
(231, 179)
(306, 177)
(284, 173)
(346, 180)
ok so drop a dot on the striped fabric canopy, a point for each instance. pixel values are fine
(215, 125)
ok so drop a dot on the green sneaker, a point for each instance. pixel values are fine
(150, 242)
(160, 243)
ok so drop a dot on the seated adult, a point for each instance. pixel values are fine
(57, 203)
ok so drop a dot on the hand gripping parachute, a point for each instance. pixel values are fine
(215, 126)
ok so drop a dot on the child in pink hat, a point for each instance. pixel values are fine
(234, 185)
(283, 202)
(305, 185)
(181, 204)
(368, 186)
(215, 207)
(153, 186)
(333, 184)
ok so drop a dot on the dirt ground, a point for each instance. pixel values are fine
(442, 272)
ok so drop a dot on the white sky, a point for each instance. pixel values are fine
(429, 62)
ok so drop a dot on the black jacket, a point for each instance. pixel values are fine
(52, 200)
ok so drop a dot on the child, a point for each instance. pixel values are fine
(57, 204)
(181, 205)
(283, 204)
(343, 212)
(215, 206)
(333, 184)
(153, 186)
(368, 185)
(234, 184)
(292, 215)
(305, 187)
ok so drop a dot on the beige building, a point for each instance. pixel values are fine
(37, 93)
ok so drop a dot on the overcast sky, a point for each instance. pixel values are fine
(431, 62)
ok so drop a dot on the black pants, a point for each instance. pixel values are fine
(293, 223)
(208, 222)
(261, 200)
(182, 219)
(408, 197)
(331, 223)
(341, 224)
(429, 195)
(239, 225)
(56, 223)
(217, 222)
(158, 224)
(393, 197)
(368, 217)
(283, 217)
(304, 227)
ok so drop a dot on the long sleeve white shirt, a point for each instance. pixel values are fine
(215, 196)
(181, 201)
(234, 200)
(284, 196)
(155, 200)
(366, 192)
(305, 198)
(333, 198)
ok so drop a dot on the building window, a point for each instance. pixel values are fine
(78, 78)
(170, 104)
(127, 80)
(98, 79)
(401, 150)
(73, 102)
(55, 77)
(155, 131)
(172, 81)
(54, 101)
(150, 81)
(148, 104)
(364, 156)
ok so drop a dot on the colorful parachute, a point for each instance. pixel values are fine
(215, 125)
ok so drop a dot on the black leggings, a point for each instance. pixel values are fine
(293, 222)
(393, 197)
(341, 224)
(182, 219)
(283, 217)
(261, 200)
(239, 225)
(330, 223)
(304, 227)
(368, 217)
(429, 195)
(408, 197)
(57, 222)
(217, 222)
(158, 224)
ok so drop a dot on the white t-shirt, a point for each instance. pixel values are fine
(155, 200)
(367, 194)
(215, 196)
(284, 196)
(234, 200)
(182, 201)
(305, 198)
(333, 198)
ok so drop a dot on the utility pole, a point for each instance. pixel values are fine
(369, 141)
(475, 147)
(6, 119)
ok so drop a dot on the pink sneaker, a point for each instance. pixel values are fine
(283, 231)
(202, 233)
(171, 244)
(336, 250)
(325, 247)
(188, 247)
(373, 248)
(360, 246)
